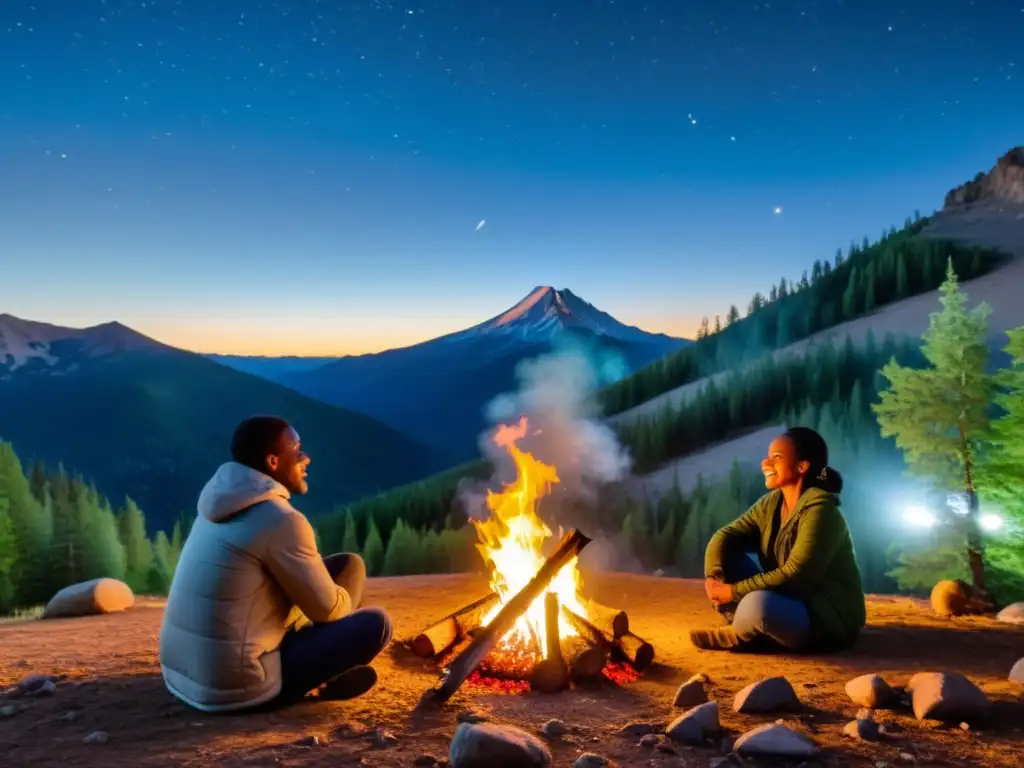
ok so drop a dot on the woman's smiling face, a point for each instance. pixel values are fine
(781, 467)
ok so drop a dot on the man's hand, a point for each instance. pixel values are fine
(718, 592)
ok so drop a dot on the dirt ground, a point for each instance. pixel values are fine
(112, 683)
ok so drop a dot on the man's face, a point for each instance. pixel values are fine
(288, 466)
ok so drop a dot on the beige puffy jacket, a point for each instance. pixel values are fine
(248, 571)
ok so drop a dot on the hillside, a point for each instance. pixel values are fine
(437, 391)
(147, 420)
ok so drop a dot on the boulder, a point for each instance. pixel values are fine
(950, 597)
(691, 693)
(946, 696)
(692, 726)
(774, 694)
(1012, 614)
(590, 760)
(88, 598)
(777, 740)
(1017, 673)
(869, 691)
(482, 745)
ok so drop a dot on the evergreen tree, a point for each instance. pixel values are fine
(373, 550)
(939, 414)
(31, 529)
(351, 540)
(404, 554)
(734, 315)
(8, 558)
(902, 281)
(718, 324)
(138, 550)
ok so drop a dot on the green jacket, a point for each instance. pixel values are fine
(815, 558)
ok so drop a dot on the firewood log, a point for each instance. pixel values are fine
(584, 659)
(462, 666)
(637, 651)
(609, 620)
(551, 674)
(441, 635)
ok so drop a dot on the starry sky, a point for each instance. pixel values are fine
(310, 177)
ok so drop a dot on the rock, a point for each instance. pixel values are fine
(719, 762)
(946, 696)
(773, 694)
(666, 747)
(590, 760)
(469, 716)
(68, 717)
(425, 761)
(554, 728)
(382, 738)
(480, 745)
(649, 740)
(777, 740)
(308, 741)
(1005, 182)
(636, 730)
(866, 730)
(29, 685)
(1012, 614)
(8, 710)
(1017, 673)
(96, 737)
(691, 693)
(90, 597)
(869, 691)
(950, 597)
(694, 726)
(965, 726)
(46, 689)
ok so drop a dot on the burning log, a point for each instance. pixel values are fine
(637, 651)
(463, 665)
(585, 661)
(608, 620)
(442, 635)
(551, 674)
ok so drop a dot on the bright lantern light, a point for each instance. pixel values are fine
(990, 522)
(919, 517)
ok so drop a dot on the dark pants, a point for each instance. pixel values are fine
(764, 615)
(318, 653)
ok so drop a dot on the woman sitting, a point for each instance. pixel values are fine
(804, 592)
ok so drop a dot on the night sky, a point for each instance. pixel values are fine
(310, 177)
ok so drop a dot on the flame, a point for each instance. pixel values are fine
(512, 544)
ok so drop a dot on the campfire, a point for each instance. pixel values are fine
(534, 627)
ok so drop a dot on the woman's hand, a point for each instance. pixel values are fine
(718, 592)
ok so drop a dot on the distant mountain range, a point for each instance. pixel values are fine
(153, 422)
(436, 391)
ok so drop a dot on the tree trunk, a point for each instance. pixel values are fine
(975, 547)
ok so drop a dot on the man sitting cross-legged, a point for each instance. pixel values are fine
(255, 615)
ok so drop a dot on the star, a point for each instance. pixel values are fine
(778, 210)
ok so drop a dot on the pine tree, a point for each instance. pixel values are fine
(902, 280)
(1001, 469)
(138, 551)
(851, 296)
(404, 555)
(870, 280)
(734, 315)
(351, 541)
(373, 550)
(718, 324)
(8, 557)
(939, 414)
(31, 529)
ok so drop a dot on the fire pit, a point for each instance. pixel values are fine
(534, 630)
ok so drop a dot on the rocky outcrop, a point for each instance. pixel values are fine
(1004, 183)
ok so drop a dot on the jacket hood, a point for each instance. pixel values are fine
(234, 487)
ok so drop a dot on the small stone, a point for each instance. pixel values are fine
(481, 745)
(691, 693)
(68, 717)
(906, 757)
(1017, 673)
(1012, 614)
(869, 691)
(693, 726)
(554, 728)
(775, 739)
(865, 714)
(965, 726)
(636, 730)
(34, 683)
(8, 710)
(649, 740)
(308, 741)
(383, 738)
(947, 697)
(96, 737)
(590, 760)
(773, 694)
(865, 730)
(666, 747)
(425, 761)
(469, 716)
